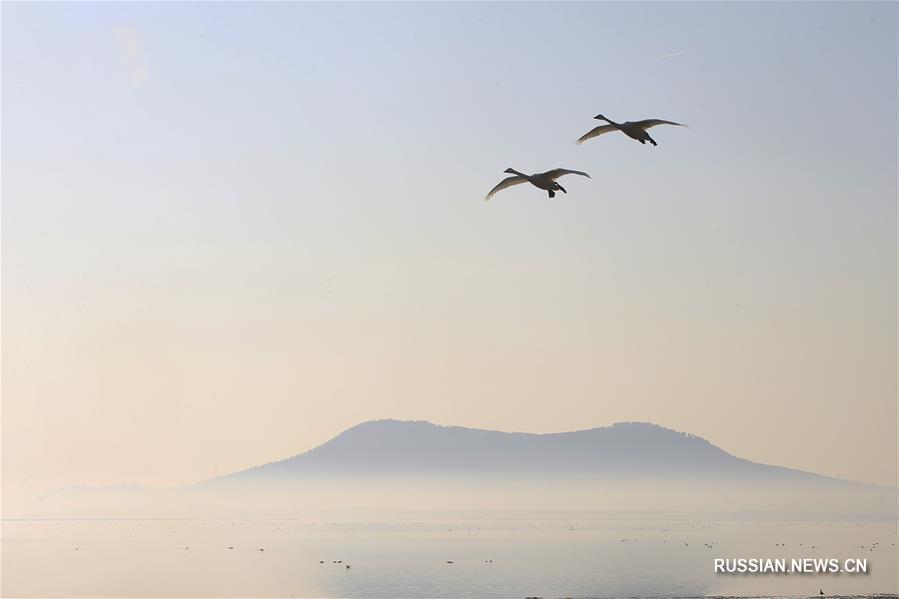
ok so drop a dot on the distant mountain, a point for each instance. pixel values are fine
(393, 469)
(387, 448)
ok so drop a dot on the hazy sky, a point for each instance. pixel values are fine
(232, 230)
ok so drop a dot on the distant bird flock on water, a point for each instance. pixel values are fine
(547, 181)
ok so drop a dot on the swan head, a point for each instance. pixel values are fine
(510, 170)
(600, 117)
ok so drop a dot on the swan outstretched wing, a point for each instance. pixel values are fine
(556, 173)
(507, 182)
(653, 122)
(596, 131)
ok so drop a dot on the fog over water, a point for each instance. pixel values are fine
(420, 510)
(391, 468)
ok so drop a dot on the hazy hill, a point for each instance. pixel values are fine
(628, 449)
(390, 468)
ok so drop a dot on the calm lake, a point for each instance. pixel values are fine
(495, 558)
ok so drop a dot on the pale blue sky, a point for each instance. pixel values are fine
(258, 224)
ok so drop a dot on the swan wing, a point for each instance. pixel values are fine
(507, 182)
(653, 122)
(556, 173)
(596, 131)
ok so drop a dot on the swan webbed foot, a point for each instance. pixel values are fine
(562, 189)
(551, 193)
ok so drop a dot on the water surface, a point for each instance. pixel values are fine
(490, 558)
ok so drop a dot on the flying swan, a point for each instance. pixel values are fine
(545, 181)
(633, 129)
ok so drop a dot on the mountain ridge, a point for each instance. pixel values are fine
(422, 448)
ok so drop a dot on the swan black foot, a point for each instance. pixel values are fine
(551, 193)
(562, 189)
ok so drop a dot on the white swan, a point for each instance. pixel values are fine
(545, 181)
(633, 129)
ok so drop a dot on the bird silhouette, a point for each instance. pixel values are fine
(545, 181)
(633, 129)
